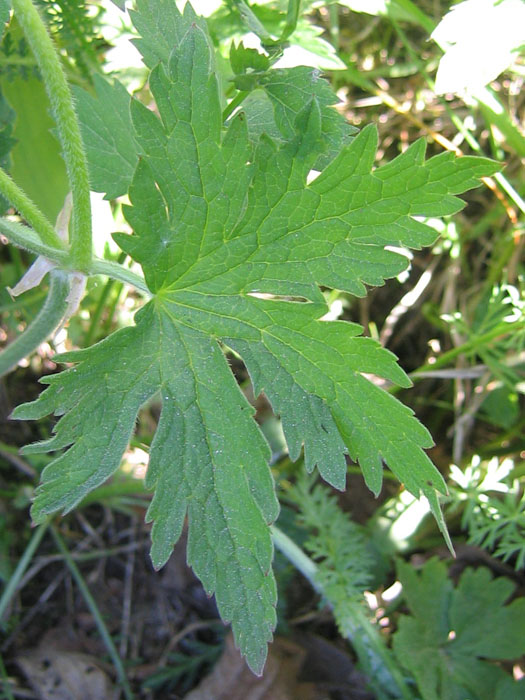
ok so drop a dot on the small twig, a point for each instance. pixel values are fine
(19, 463)
(464, 423)
(192, 627)
(42, 562)
(459, 373)
(126, 603)
(306, 617)
(87, 527)
(407, 302)
(30, 614)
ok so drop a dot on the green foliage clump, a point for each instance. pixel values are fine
(493, 508)
(453, 633)
(75, 27)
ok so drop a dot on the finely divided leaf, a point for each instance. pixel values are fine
(234, 246)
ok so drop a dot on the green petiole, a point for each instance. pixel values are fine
(26, 238)
(43, 325)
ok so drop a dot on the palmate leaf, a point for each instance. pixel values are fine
(282, 94)
(234, 246)
(452, 632)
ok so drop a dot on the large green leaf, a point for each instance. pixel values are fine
(234, 246)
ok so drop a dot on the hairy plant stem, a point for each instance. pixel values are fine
(370, 648)
(28, 239)
(29, 211)
(68, 129)
(118, 272)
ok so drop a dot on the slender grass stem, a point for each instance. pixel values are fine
(16, 259)
(90, 602)
(23, 563)
(333, 19)
(117, 296)
(26, 302)
(59, 94)
(480, 341)
(417, 15)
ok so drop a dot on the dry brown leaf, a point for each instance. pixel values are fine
(63, 675)
(231, 679)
